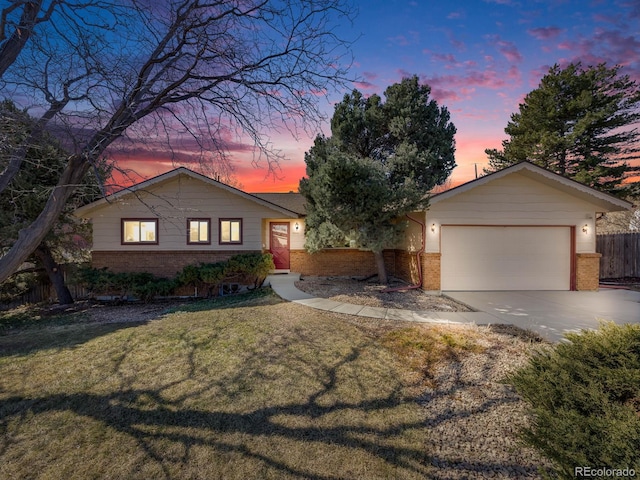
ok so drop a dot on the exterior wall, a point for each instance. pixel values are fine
(296, 237)
(431, 271)
(339, 262)
(513, 200)
(162, 264)
(587, 271)
(406, 266)
(172, 202)
(412, 237)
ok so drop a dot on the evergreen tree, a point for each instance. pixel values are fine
(379, 164)
(25, 197)
(579, 123)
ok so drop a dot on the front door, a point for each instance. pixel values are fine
(279, 243)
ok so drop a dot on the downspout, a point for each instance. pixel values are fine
(418, 262)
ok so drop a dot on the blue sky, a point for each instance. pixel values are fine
(480, 57)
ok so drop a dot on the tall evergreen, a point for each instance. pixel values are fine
(580, 123)
(379, 164)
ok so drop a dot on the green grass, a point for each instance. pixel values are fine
(247, 389)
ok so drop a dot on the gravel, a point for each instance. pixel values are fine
(370, 293)
(474, 418)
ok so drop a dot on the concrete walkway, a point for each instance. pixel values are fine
(284, 286)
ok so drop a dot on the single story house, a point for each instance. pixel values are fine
(522, 228)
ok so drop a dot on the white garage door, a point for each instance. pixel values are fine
(506, 258)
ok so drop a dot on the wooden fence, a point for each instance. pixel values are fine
(620, 255)
(43, 291)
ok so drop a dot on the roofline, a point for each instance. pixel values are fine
(603, 196)
(174, 173)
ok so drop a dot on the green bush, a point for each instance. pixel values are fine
(584, 397)
(144, 286)
(252, 266)
(245, 268)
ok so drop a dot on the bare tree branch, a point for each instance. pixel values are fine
(101, 71)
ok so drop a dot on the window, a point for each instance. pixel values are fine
(198, 231)
(140, 231)
(231, 230)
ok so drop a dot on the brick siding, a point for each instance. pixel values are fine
(587, 271)
(162, 264)
(339, 262)
(431, 271)
(406, 266)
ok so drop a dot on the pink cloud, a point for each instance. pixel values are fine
(404, 41)
(544, 33)
(441, 57)
(506, 48)
(453, 88)
(510, 51)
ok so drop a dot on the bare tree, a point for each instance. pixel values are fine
(158, 69)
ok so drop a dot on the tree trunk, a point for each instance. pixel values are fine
(382, 271)
(30, 237)
(55, 274)
(11, 47)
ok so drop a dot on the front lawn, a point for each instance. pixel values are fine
(253, 388)
(265, 390)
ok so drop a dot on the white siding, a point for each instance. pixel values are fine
(172, 203)
(513, 200)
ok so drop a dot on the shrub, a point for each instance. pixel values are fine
(584, 397)
(144, 286)
(254, 267)
(247, 268)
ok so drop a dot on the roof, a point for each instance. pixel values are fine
(604, 201)
(85, 210)
(291, 201)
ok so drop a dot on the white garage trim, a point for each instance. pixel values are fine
(507, 257)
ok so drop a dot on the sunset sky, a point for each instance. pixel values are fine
(480, 57)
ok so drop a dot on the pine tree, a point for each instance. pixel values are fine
(380, 163)
(579, 123)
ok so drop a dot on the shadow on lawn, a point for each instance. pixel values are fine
(21, 335)
(165, 415)
(129, 411)
(33, 340)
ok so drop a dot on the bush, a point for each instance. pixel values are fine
(254, 267)
(246, 268)
(144, 286)
(584, 397)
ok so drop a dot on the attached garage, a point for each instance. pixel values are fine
(506, 258)
(522, 228)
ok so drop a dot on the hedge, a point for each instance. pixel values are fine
(247, 268)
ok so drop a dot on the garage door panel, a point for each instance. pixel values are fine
(506, 258)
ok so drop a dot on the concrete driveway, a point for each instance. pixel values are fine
(552, 314)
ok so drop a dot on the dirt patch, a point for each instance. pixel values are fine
(371, 294)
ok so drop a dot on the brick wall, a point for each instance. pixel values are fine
(406, 266)
(587, 271)
(339, 262)
(162, 264)
(431, 271)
